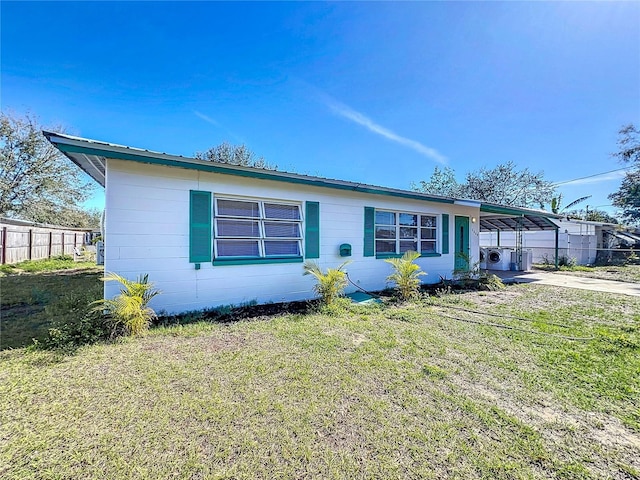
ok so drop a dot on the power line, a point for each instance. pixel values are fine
(591, 176)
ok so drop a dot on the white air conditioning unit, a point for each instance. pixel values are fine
(527, 260)
(100, 253)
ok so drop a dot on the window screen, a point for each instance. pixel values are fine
(259, 229)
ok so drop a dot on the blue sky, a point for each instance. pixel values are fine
(378, 93)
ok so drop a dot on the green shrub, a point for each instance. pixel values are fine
(406, 275)
(73, 322)
(474, 278)
(330, 284)
(566, 261)
(491, 282)
(68, 336)
(129, 310)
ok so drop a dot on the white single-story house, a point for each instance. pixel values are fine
(211, 234)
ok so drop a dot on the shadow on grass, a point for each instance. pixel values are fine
(32, 302)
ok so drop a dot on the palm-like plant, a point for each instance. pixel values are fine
(129, 309)
(330, 284)
(557, 201)
(406, 275)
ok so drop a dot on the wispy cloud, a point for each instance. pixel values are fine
(218, 125)
(206, 118)
(361, 119)
(604, 177)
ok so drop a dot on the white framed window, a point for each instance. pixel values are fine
(398, 232)
(247, 228)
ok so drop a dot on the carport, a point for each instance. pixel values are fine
(497, 218)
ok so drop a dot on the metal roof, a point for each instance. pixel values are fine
(492, 222)
(91, 156)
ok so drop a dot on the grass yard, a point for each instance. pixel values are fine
(391, 391)
(31, 302)
(620, 273)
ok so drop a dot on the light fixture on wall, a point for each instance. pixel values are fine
(473, 219)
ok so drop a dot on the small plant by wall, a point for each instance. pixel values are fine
(331, 284)
(474, 278)
(406, 275)
(129, 309)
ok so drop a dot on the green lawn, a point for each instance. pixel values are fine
(391, 391)
(31, 302)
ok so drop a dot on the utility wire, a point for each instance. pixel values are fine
(497, 325)
(360, 288)
(526, 330)
(503, 316)
(591, 176)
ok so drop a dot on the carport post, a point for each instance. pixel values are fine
(557, 237)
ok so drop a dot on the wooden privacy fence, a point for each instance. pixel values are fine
(21, 241)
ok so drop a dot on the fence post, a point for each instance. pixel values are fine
(50, 242)
(4, 245)
(30, 254)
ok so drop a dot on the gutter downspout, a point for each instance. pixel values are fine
(557, 241)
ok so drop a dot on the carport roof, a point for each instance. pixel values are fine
(91, 156)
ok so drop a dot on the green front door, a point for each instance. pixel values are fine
(462, 243)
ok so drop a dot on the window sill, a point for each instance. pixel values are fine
(399, 255)
(255, 261)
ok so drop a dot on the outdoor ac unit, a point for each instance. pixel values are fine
(100, 253)
(527, 260)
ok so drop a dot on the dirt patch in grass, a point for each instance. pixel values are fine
(19, 310)
(560, 426)
(207, 344)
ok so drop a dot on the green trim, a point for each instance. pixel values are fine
(200, 242)
(254, 260)
(445, 233)
(369, 232)
(382, 256)
(312, 230)
(517, 211)
(204, 166)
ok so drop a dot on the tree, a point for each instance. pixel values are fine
(37, 182)
(592, 216)
(442, 182)
(504, 185)
(556, 203)
(628, 195)
(234, 155)
(600, 216)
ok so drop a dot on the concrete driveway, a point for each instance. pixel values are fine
(570, 281)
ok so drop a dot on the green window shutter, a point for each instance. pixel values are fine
(312, 230)
(200, 226)
(445, 233)
(369, 232)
